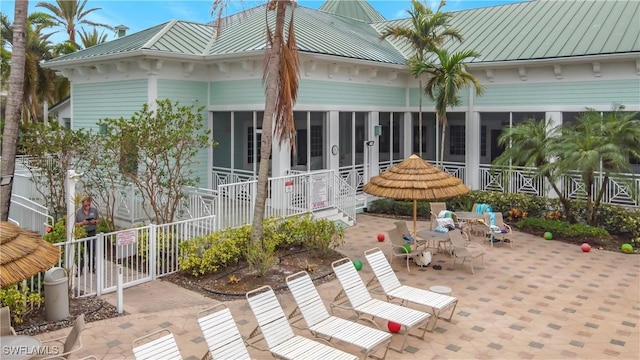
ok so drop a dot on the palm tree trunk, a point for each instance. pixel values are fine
(271, 95)
(14, 106)
(420, 115)
(589, 189)
(443, 122)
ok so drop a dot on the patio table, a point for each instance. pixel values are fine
(18, 347)
(437, 238)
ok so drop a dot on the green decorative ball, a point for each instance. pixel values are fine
(357, 264)
(406, 248)
(548, 236)
(626, 248)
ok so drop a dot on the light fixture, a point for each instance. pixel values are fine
(369, 143)
(6, 180)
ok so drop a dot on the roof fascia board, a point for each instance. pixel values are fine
(563, 60)
(350, 61)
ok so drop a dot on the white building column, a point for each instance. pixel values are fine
(407, 135)
(332, 133)
(280, 157)
(553, 119)
(372, 152)
(472, 150)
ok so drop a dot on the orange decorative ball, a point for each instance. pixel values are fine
(585, 247)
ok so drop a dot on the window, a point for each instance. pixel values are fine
(316, 140)
(251, 147)
(483, 140)
(456, 140)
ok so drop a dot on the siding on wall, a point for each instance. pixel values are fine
(109, 99)
(310, 92)
(341, 93)
(186, 93)
(428, 103)
(236, 92)
(588, 93)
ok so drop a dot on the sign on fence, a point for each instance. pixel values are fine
(319, 193)
(126, 243)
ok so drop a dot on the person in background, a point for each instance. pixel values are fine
(88, 217)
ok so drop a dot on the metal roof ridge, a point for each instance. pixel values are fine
(159, 34)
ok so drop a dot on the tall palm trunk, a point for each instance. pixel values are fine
(14, 106)
(420, 116)
(443, 122)
(271, 98)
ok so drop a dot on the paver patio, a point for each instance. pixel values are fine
(541, 299)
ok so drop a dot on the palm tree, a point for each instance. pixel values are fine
(427, 33)
(280, 76)
(447, 76)
(71, 13)
(92, 38)
(599, 143)
(14, 107)
(531, 144)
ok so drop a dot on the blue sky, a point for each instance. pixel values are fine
(142, 14)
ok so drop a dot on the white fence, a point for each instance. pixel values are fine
(287, 195)
(145, 253)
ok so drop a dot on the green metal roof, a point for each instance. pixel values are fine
(522, 31)
(543, 29)
(355, 9)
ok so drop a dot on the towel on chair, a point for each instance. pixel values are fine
(444, 222)
(445, 214)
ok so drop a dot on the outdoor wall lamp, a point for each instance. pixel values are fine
(370, 142)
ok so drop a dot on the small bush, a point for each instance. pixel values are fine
(562, 228)
(398, 207)
(203, 255)
(19, 300)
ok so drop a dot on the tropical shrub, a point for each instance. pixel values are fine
(398, 207)
(562, 228)
(20, 301)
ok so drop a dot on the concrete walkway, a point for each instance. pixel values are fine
(539, 300)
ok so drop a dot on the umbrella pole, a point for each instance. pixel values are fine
(415, 217)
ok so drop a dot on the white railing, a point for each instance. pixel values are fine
(223, 176)
(29, 214)
(622, 189)
(345, 197)
(145, 253)
(236, 203)
(456, 169)
(353, 175)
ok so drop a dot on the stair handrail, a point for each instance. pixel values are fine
(345, 197)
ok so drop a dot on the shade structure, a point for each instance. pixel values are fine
(23, 253)
(415, 179)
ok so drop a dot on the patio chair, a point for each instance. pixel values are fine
(279, 336)
(463, 248)
(153, 346)
(221, 333)
(402, 227)
(496, 229)
(69, 344)
(321, 323)
(398, 248)
(364, 305)
(5, 322)
(393, 289)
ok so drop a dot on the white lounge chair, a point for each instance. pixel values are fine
(155, 347)
(363, 304)
(393, 289)
(321, 323)
(279, 336)
(221, 334)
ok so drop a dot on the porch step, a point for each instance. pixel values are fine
(335, 215)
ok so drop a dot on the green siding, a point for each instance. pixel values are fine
(340, 93)
(185, 92)
(236, 92)
(587, 93)
(109, 99)
(428, 103)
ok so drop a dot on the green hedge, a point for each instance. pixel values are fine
(562, 228)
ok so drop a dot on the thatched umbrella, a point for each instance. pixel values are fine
(23, 253)
(415, 179)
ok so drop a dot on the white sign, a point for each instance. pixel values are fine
(288, 186)
(126, 237)
(319, 193)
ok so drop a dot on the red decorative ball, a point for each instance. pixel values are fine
(585, 247)
(381, 237)
(394, 327)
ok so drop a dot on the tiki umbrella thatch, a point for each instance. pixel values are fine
(23, 253)
(415, 179)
